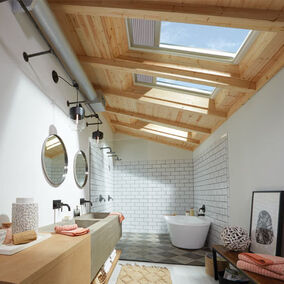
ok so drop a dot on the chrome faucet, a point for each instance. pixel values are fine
(101, 198)
(84, 201)
(109, 198)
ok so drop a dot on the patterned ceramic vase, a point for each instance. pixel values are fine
(24, 215)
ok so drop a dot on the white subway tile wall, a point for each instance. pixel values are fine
(211, 186)
(145, 191)
(101, 179)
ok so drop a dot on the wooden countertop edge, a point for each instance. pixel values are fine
(18, 277)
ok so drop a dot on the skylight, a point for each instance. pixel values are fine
(175, 85)
(187, 86)
(165, 131)
(202, 41)
(208, 38)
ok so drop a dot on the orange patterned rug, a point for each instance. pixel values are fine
(135, 274)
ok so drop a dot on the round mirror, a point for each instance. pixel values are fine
(80, 169)
(54, 160)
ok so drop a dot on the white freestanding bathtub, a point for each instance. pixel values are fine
(188, 232)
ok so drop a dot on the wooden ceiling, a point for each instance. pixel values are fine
(97, 32)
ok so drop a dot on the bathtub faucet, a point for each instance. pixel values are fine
(201, 211)
(101, 198)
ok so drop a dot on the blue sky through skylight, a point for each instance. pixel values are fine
(200, 36)
(185, 84)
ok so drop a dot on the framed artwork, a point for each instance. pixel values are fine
(266, 223)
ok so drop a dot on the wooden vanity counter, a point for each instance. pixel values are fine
(57, 260)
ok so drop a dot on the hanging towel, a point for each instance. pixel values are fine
(120, 216)
(260, 269)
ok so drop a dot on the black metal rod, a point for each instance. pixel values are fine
(51, 49)
(215, 264)
(92, 115)
(39, 30)
(73, 103)
(27, 56)
(94, 123)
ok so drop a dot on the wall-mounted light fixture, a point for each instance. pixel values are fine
(77, 112)
(97, 135)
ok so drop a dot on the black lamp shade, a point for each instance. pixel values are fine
(77, 112)
(98, 135)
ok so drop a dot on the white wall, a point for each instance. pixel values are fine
(256, 153)
(30, 103)
(136, 149)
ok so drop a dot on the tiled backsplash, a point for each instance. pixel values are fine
(211, 186)
(145, 191)
(101, 179)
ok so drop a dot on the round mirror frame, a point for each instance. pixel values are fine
(86, 168)
(65, 161)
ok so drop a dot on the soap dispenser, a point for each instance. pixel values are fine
(77, 211)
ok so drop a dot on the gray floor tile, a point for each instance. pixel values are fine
(157, 248)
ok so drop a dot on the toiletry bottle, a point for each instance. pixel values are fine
(191, 212)
(77, 211)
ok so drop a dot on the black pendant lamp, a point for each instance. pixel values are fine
(98, 135)
(77, 112)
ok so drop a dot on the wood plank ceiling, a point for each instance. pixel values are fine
(98, 34)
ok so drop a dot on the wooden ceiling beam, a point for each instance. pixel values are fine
(107, 118)
(244, 18)
(169, 58)
(146, 98)
(156, 138)
(265, 47)
(175, 72)
(139, 126)
(159, 120)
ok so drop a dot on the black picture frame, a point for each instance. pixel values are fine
(263, 245)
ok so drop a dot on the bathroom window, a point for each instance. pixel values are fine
(186, 86)
(175, 85)
(200, 38)
(217, 43)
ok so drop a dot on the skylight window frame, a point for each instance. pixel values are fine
(176, 88)
(198, 53)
